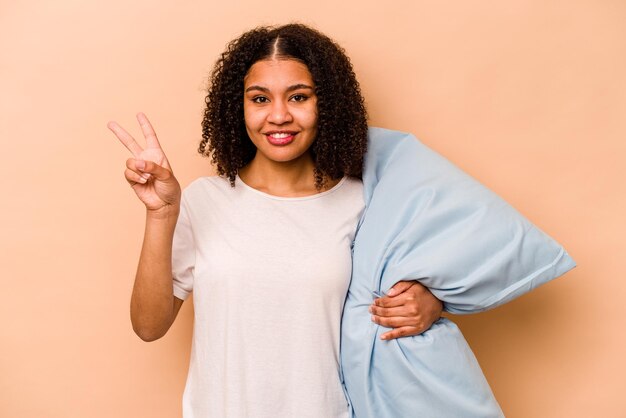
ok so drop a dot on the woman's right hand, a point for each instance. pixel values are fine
(149, 173)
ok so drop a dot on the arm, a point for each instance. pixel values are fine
(153, 306)
(409, 308)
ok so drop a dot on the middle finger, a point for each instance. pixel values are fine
(397, 311)
(125, 138)
(391, 302)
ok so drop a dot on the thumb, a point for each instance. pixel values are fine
(399, 287)
(150, 167)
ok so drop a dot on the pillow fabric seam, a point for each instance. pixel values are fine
(493, 300)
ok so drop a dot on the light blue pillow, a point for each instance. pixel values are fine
(427, 220)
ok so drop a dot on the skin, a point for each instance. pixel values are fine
(153, 307)
(279, 96)
(409, 308)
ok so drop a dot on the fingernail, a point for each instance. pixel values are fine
(140, 164)
(142, 180)
(370, 309)
(392, 292)
(373, 318)
(383, 337)
(146, 176)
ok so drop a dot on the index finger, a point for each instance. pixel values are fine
(401, 287)
(148, 131)
(125, 138)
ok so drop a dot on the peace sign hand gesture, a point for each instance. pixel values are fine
(149, 173)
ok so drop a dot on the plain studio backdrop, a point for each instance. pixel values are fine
(527, 96)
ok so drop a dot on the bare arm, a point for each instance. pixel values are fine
(153, 306)
(409, 308)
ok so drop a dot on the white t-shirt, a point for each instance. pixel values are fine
(269, 276)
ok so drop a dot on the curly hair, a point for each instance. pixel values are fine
(341, 139)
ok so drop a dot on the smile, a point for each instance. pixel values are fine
(280, 138)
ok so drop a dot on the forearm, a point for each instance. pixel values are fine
(152, 301)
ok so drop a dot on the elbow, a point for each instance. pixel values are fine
(148, 334)
(150, 325)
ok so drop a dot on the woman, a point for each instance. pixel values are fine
(266, 245)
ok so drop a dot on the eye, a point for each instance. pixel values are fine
(299, 97)
(260, 99)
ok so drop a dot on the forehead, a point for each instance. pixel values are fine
(277, 72)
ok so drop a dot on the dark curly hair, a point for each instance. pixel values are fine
(341, 139)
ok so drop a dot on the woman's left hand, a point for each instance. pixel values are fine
(409, 308)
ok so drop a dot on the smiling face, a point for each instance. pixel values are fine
(280, 109)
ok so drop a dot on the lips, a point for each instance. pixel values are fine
(280, 138)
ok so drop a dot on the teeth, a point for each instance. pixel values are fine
(280, 135)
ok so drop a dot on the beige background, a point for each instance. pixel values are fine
(527, 96)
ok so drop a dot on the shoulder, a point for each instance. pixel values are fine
(208, 186)
(351, 185)
(206, 183)
(349, 191)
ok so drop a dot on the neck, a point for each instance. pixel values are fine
(287, 179)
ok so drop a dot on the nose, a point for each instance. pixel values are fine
(279, 113)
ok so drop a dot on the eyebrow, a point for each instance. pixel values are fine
(290, 88)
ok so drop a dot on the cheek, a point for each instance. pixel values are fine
(251, 118)
(308, 117)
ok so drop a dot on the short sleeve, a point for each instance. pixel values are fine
(183, 254)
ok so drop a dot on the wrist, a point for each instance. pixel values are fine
(167, 213)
